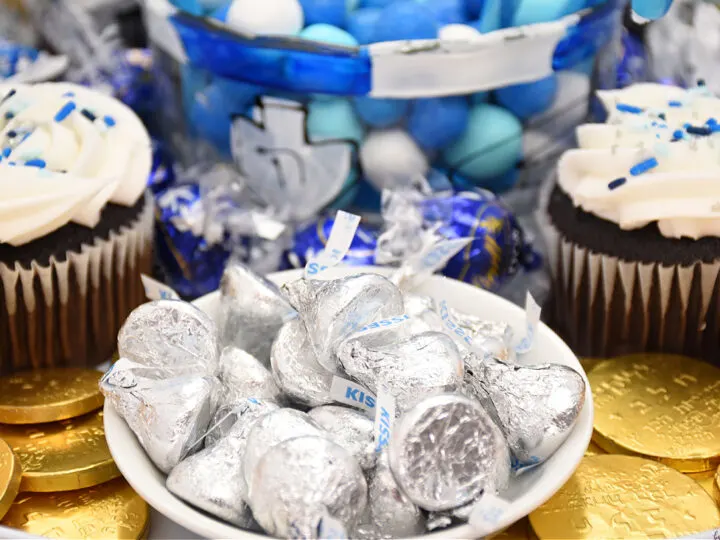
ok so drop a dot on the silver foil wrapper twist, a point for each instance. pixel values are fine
(411, 368)
(212, 479)
(169, 417)
(339, 307)
(390, 513)
(446, 451)
(492, 336)
(172, 336)
(301, 480)
(274, 428)
(349, 428)
(295, 368)
(423, 314)
(227, 416)
(252, 311)
(243, 376)
(537, 406)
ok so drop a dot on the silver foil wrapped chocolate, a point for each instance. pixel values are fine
(537, 405)
(252, 311)
(492, 336)
(446, 451)
(274, 428)
(390, 513)
(410, 368)
(212, 479)
(349, 428)
(300, 481)
(295, 368)
(227, 416)
(169, 417)
(243, 376)
(339, 307)
(170, 335)
(423, 314)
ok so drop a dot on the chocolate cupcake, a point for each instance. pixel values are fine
(75, 224)
(634, 227)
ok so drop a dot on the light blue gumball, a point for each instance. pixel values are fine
(327, 33)
(332, 119)
(380, 113)
(490, 146)
(375, 3)
(491, 16)
(209, 6)
(332, 12)
(479, 97)
(361, 24)
(210, 116)
(537, 11)
(435, 123)
(446, 11)
(404, 20)
(651, 9)
(507, 12)
(528, 99)
(221, 12)
(191, 6)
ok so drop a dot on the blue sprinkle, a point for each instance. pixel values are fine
(87, 114)
(9, 115)
(644, 166)
(12, 134)
(678, 135)
(622, 107)
(109, 121)
(6, 152)
(701, 82)
(662, 116)
(675, 103)
(617, 183)
(66, 109)
(711, 122)
(11, 163)
(36, 163)
(68, 94)
(699, 130)
(10, 94)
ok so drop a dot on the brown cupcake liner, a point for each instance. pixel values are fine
(606, 306)
(68, 313)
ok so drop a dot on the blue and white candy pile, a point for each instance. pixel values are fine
(476, 137)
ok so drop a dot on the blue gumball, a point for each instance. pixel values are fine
(446, 11)
(380, 113)
(208, 6)
(435, 123)
(651, 9)
(326, 33)
(375, 3)
(221, 12)
(210, 117)
(537, 11)
(333, 119)
(361, 24)
(403, 20)
(528, 99)
(332, 12)
(490, 146)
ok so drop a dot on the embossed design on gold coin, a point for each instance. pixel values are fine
(663, 407)
(34, 397)
(615, 496)
(707, 480)
(59, 456)
(10, 474)
(594, 450)
(108, 511)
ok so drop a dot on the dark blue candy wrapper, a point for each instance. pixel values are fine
(312, 239)
(498, 249)
(162, 174)
(192, 264)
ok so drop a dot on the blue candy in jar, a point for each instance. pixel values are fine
(332, 12)
(446, 11)
(405, 19)
(312, 239)
(498, 249)
(361, 24)
(528, 99)
(435, 123)
(192, 262)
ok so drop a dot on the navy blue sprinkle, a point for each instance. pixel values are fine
(617, 183)
(10, 94)
(699, 130)
(36, 163)
(662, 116)
(9, 115)
(644, 166)
(701, 82)
(87, 114)
(622, 107)
(69, 94)
(12, 134)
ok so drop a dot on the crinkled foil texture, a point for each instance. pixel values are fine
(243, 376)
(349, 428)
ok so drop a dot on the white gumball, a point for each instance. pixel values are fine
(274, 17)
(390, 158)
(458, 32)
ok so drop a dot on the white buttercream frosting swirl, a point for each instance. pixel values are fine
(66, 151)
(656, 159)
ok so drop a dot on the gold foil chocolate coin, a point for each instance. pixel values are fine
(60, 456)
(520, 530)
(708, 481)
(663, 407)
(34, 397)
(594, 450)
(108, 511)
(615, 496)
(10, 474)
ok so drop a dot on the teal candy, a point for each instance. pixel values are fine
(191, 6)
(537, 11)
(528, 99)
(491, 16)
(490, 146)
(326, 33)
(209, 6)
(380, 113)
(333, 119)
(479, 97)
(221, 12)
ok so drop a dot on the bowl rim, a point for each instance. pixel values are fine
(119, 436)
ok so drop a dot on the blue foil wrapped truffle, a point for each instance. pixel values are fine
(312, 239)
